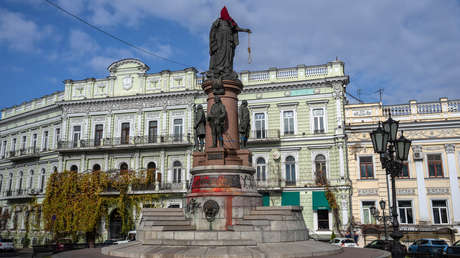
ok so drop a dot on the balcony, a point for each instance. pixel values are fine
(23, 154)
(156, 141)
(20, 194)
(270, 184)
(154, 187)
(264, 136)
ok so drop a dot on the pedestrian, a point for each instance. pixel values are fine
(356, 237)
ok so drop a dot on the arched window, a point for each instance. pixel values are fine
(31, 179)
(123, 168)
(42, 180)
(151, 167)
(96, 167)
(10, 182)
(290, 171)
(21, 175)
(261, 169)
(320, 172)
(177, 170)
(74, 168)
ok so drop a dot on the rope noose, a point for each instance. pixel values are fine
(249, 50)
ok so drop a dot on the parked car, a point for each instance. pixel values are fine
(344, 242)
(379, 244)
(454, 250)
(109, 242)
(6, 245)
(428, 246)
(131, 237)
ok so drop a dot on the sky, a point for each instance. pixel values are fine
(410, 48)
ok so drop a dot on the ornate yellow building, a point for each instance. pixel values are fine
(428, 193)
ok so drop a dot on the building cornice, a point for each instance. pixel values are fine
(30, 113)
(263, 87)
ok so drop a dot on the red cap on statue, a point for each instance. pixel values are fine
(225, 16)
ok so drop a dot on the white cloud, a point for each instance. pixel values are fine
(82, 43)
(19, 33)
(410, 47)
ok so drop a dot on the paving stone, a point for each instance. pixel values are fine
(229, 235)
(181, 235)
(205, 235)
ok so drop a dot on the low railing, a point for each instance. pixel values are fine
(268, 183)
(453, 105)
(264, 135)
(259, 76)
(122, 141)
(143, 187)
(316, 70)
(21, 193)
(289, 73)
(396, 110)
(429, 108)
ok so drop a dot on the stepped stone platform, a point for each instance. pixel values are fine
(263, 232)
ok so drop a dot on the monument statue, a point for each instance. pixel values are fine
(244, 123)
(200, 128)
(217, 118)
(223, 39)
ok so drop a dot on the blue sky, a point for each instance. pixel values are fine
(410, 48)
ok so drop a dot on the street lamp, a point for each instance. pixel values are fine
(375, 213)
(385, 142)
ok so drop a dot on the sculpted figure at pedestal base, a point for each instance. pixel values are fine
(200, 128)
(244, 124)
(217, 118)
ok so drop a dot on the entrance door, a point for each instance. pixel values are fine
(115, 225)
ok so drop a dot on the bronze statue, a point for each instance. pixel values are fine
(200, 128)
(217, 118)
(244, 124)
(223, 39)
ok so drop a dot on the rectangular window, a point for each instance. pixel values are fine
(76, 135)
(259, 121)
(366, 167)
(98, 131)
(45, 140)
(440, 211)
(405, 170)
(24, 140)
(153, 131)
(178, 129)
(13, 146)
(34, 142)
(4, 148)
(318, 117)
(405, 212)
(323, 219)
(288, 117)
(57, 135)
(435, 165)
(124, 133)
(367, 216)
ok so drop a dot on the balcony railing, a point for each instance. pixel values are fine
(23, 153)
(257, 136)
(125, 141)
(20, 193)
(153, 186)
(413, 108)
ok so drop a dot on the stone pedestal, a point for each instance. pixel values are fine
(231, 186)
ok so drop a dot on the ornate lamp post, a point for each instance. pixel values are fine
(375, 212)
(393, 152)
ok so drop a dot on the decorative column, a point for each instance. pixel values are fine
(453, 179)
(422, 200)
(341, 161)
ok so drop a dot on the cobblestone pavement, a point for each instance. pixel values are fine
(348, 253)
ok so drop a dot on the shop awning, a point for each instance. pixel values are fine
(290, 199)
(319, 201)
